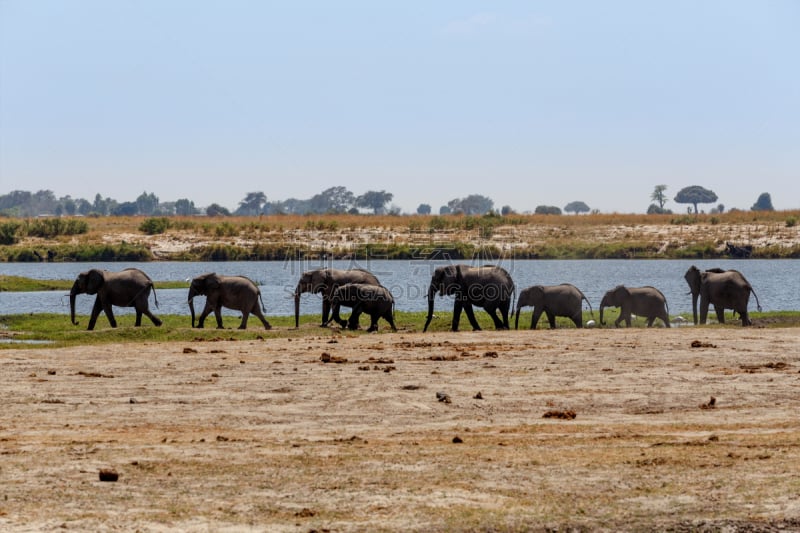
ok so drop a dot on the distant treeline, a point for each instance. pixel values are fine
(334, 200)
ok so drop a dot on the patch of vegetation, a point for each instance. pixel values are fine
(23, 284)
(154, 226)
(47, 228)
(58, 329)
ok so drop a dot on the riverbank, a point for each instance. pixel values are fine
(768, 234)
(604, 430)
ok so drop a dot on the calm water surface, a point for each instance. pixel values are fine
(776, 282)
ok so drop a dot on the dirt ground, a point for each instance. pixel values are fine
(687, 429)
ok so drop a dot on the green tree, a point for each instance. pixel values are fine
(547, 210)
(424, 209)
(185, 207)
(146, 204)
(252, 204)
(474, 204)
(764, 203)
(216, 210)
(576, 207)
(375, 200)
(695, 194)
(333, 200)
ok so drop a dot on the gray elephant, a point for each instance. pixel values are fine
(648, 302)
(553, 300)
(129, 288)
(374, 300)
(233, 292)
(324, 281)
(724, 289)
(490, 287)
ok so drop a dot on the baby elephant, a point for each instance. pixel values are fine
(374, 300)
(648, 302)
(233, 292)
(553, 300)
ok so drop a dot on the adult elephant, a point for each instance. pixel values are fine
(648, 302)
(490, 287)
(233, 292)
(553, 300)
(724, 289)
(374, 300)
(128, 288)
(325, 281)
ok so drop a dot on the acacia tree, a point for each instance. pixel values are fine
(576, 207)
(695, 194)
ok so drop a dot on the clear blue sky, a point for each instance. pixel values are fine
(527, 102)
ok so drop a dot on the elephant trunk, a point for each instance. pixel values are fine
(72, 295)
(603, 304)
(694, 307)
(297, 309)
(431, 296)
(516, 322)
(192, 294)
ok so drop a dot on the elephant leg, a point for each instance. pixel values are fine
(138, 318)
(650, 321)
(257, 312)
(457, 306)
(720, 314)
(335, 316)
(471, 316)
(245, 316)
(218, 316)
(326, 311)
(390, 319)
(745, 318)
(577, 319)
(373, 321)
(96, 308)
(153, 318)
(498, 324)
(551, 319)
(352, 323)
(504, 309)
(537, 313)
(109, 311)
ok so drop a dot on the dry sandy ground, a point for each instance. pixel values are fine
(413, 432)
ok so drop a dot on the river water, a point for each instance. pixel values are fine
(776, 282)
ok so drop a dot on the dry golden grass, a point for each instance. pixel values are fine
(263, 435)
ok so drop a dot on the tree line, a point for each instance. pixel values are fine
(694, 195)
(335, 200)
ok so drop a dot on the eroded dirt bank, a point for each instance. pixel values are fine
(407, 432)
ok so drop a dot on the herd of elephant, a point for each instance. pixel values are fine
(489, 287)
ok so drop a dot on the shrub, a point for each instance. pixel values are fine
(8, 233)
(48, 228)
(154, 226)
(791, 222)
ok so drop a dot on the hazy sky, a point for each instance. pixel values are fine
(527, 102)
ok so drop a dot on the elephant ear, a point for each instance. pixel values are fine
(94, 280)
(212, 282)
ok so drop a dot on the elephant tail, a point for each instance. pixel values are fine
(263, 307)
(155, 297)
(591, 311)
(758, 304)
